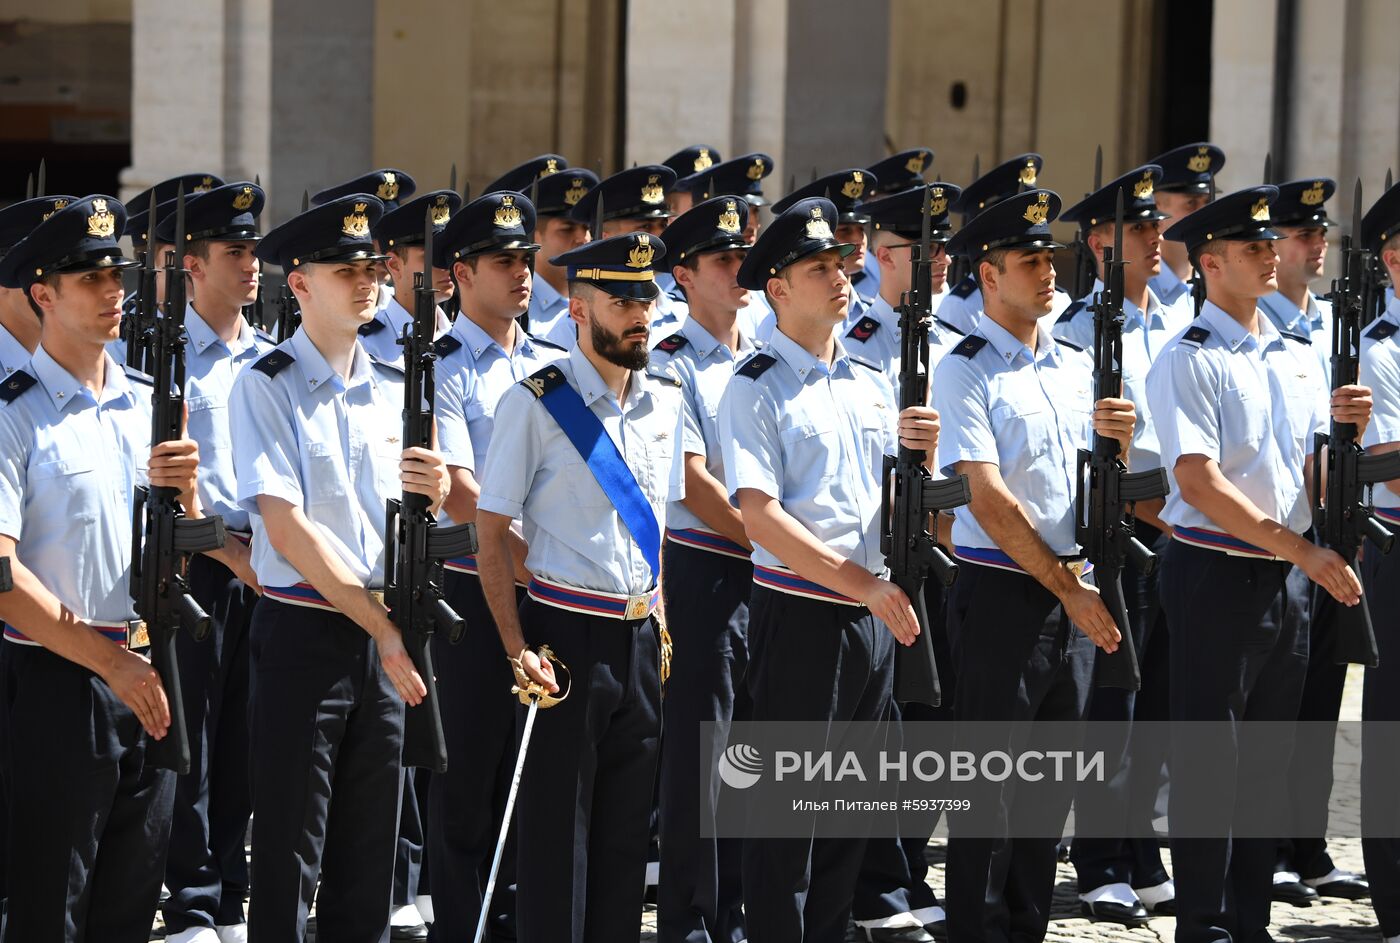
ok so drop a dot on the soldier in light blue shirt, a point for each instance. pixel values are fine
(709, 574)
(804, 429)
(1187, 184)
(317, 427)
(19, 325)
(845, 189)
(585, 453)
(895, 173)
(1023, 619)
(1235, 577)
(83, 701)
(1300, 215)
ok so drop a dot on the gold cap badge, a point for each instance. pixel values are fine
(389, 189)
(1201, 162)
(551, 166)
(915, 164)
(1259, 212)
(1313, 195)
(441, 211)
(817, 226)
(507, 214)
(729, 219)
(1027, 174)
(703, 161)
(937, 202)
(755, 172)
(853, 188)
(1143, 188)
(642, 253)
(57, 205)
(356, 224)
(652, 191)
(101, 223)
(1036, 213)
(575, 192)
(244, 199)
(204, 185)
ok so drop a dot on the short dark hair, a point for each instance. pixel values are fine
(50, 281)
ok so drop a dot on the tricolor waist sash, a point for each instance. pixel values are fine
(1391, 515)
(783, 580)
(999, 559)
(304, 595)
(465, 564)
(1224, 543)
(706, 540)
(591, 602)
(131, 634)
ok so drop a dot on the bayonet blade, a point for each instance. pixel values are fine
(1268, 167)
(29, 188)
(179, 226)
(598, 218)
(428, 248)
(452, 178)
(1098, 168)
(1118, 228)
(43, 174)
(305, 201)
(1387, 178)
(1356, 213)
(149, 234)
(926, 227)
(466, 191)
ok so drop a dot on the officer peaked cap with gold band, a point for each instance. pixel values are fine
(227, 214)
(742, 176)
(336, 231)
(1021, 221)
(801, 230)
(554, 194)
(624, 266)
(138, 227)
(80, 237)
(713, 226)
(900, 171)
(389, 186)
(1006, 179)
(1242, 216)
(519, 177)
(1189, 168)
(1303, 202)
(1101, 206)
(902, 213)
(693, 160)
(494, 222)
(20, 219)
(1382, 220)
(845, 189)
(404, 226)
(635, 193)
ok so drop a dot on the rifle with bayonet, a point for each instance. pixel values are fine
(1343, 474)
(1105, 491)
(415, 546)
(140, 325)
(1084, 267)
(910, 496)
(163, 538)
(288, 313)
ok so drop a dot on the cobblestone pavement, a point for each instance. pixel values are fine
(1329, 920)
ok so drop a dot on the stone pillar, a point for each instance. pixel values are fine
(1242, 87)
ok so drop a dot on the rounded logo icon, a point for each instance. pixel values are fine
(740, 766)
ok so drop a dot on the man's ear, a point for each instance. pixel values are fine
(987, 276)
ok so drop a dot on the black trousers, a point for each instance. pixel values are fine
(410, 859)
(699, 897)
(89, 818)
(1019, 658)
(1380, 760)
(1239, 652)
(466, 804)
(810, 660)
(327, 735)
(588, 779)
(1128, 794)
(207, 869)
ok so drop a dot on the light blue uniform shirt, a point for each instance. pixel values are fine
(704, 366)
(69, 465)
(1315, 323)
(1144, 337)
(533, 472)
(756, 319)
(549, 314)
(1027, 413)
(813, 437)
(211, 366)
(1249, 403)
(963, 307)
(874, 336)
(380, 337)
(329, 446)
(872, 272)
(1170, 289)
(865, 287)
(1380, 370)
(473, 373)
(12, 353)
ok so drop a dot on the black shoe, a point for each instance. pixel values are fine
(1349, 887)
(938, 929)
(897, 935)
(1129, 915)
(1165, 908)
(1294, 892)
(416, 934)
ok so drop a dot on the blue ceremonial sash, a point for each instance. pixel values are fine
(586, 432)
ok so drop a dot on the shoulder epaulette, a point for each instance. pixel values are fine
(139, 376)
(1196, 334)
(1072, 346)
(665, 375)
(675, 294)
(864, 329)
(1382, 329)
(265, 337)
(970, 345)
(372, 327)
(949, 327)
(446, 344)
(1069, 313)
(1300, 338)
(542, 381)
(272, 364)
(15, 384)
(672, 344)
(755, 366)
(865, 363)
(550, 345)
(965, 288)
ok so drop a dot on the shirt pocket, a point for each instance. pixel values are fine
(325, 473)
(208, 422)
(1244, 417)
(71, 483)
(583, 488)
(1022, 430)
(386, 455)
(811, 449)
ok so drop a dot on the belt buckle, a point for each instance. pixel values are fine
(378, 596)
(137, 635)
(638, 607)
(1076, 567)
